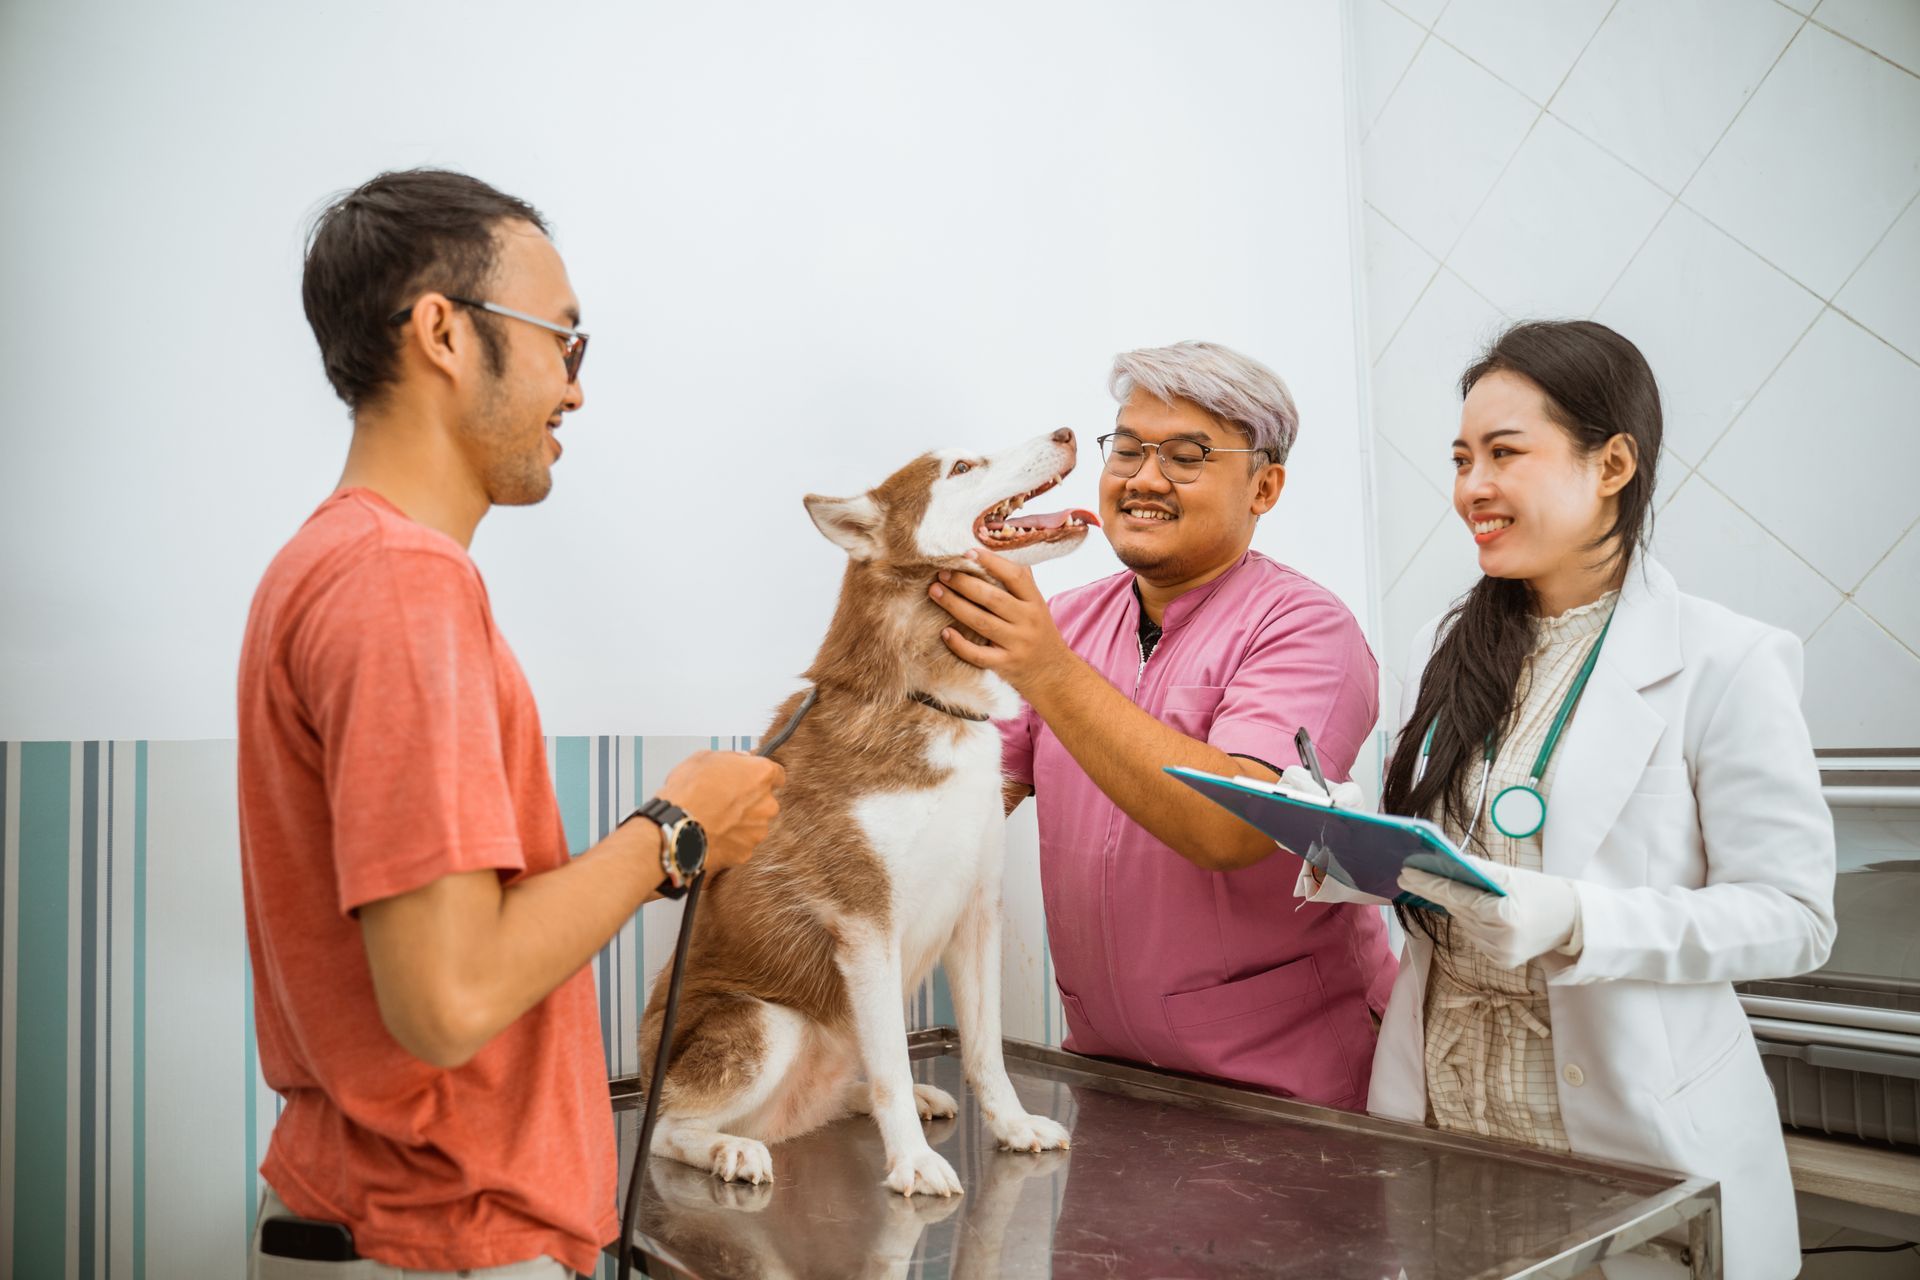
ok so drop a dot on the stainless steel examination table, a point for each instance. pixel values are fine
(1166, 1177)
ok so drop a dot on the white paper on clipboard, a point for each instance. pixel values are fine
(1363, 851)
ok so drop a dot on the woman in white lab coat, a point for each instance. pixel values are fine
(1667, 841)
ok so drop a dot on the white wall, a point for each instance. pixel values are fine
(1730, 183)
(810, 241)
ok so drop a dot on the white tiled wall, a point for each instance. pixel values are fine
(1731, 184)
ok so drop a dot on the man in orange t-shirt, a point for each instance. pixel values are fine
(418, 932)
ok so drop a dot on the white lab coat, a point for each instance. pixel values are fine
(1687, 812)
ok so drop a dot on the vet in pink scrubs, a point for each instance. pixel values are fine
(1162, 962)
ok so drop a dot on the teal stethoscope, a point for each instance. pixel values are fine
(1519, 811)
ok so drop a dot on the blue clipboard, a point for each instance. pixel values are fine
(1363, 851)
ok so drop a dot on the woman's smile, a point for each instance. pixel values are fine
(1487, 528)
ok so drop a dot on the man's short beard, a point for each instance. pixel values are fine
(1169, 568)
(512, 479)
(519, 485)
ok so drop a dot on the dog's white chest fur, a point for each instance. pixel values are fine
(938, 844)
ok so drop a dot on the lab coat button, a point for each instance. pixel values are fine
(1574, 1075)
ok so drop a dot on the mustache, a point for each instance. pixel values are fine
(1131, 499)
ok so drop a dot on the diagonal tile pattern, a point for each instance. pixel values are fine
(1701, 531)
(1643, 91)
(1863, 686)
(1884, 294)
(1733, 184)
(1891, 593)
(1559, 190)
(1891, 28)
(1388, 41)
(1442, 140)
(1696, 300)
(1414, 402)
(1824, 157)
(1398, 272)
(1822, 456)
(1411, 509)
(1529, 45)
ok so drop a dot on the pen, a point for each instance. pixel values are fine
(1303, 743)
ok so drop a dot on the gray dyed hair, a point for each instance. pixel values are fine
(1234, 388)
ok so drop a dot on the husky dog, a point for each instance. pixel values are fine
(886, 857)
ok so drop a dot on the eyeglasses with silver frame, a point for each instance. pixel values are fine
(1180, 460)
(576, 345)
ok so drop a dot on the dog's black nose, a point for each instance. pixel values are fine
(1063, 436)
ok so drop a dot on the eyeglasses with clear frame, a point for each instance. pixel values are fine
(1180, 460)
(576, 344)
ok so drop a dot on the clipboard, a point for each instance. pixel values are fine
(1363, 851)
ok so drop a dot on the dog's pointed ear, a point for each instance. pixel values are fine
(851, 523)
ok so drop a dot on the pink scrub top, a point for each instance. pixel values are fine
(1222, 974)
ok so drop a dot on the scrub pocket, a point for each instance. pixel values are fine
(1272, 1027)
(1077, 1028)
(1189, 708)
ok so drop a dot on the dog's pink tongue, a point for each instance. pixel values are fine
(1053, 520)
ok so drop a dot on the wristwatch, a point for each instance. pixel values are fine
(683, 845)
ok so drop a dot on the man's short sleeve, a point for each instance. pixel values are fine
(1308, 666)
(395, 668)
(1016, 746)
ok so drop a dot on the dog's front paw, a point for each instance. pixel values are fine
(741, 1159)
(923, 1173)
(933, 1102)
(1031, 1133)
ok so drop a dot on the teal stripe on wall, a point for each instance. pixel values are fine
(942, 998)
(603, 970)
(570, 788)
(89, 1076)
(40, 1071)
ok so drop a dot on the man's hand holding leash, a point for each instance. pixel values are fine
(731, 795)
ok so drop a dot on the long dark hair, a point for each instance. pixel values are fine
(1597, 386)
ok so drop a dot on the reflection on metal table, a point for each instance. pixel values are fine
(1167, 1177)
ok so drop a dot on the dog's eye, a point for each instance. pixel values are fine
(960, 468)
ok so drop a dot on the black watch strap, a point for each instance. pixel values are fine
(663, 814)
(658, 811)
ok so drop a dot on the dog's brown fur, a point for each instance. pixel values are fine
(773, 933)
(745, 937)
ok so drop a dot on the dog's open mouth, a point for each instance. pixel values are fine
(999, 528)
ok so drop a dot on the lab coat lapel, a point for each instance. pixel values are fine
(1613, 732)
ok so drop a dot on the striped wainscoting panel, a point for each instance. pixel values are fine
(133, 1116)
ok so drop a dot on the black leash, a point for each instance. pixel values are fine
(652, 1114)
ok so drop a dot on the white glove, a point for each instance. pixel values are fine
(1296, 783)
(1540, 913)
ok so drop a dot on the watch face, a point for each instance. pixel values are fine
(690, 848)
